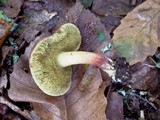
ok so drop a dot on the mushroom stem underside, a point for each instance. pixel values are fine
(65, 59)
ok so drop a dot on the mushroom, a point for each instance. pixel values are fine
(51, 59)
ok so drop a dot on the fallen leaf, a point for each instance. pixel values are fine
(46, 111)
(114, 110)
(31, 27)
(6, 102)
(29, 115)
(111, 22)
(12, 7)
(34, 5)
(88, 76)
(144, 77)
(90, 104)
(86, 3)
(49, 5)
(89, 27)
(4, 29)
(57, 5)
(154, 94)
(5, 51)
(138, 35)
(3, 83)
(3, 110)
(40, 17)
(111, 7)
(7, 114)
(112, 11)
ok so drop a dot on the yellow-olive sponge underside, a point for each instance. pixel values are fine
(47, 74)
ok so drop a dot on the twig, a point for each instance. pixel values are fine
(151, 104)
(24, 113)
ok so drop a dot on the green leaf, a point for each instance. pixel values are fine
(3, 1)
(101, 36)
(2, 16)
(15, 58)
(138, 34)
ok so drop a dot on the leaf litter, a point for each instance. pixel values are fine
(81, 102)
(139, 38)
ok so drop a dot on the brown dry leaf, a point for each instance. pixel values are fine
(7, 114)
(89, 27)
(114, 110)
(12, 8)
(40, 17)
(4, 29)
(33, 4)
(3, 83)
(45, 111)
(5, 51)
(32, 26)
(111, 12)
(3, 110)
(154, 94)
(49, 5)
(111, 22)
(143, 77)
(5, 101)
(57, 5)
(29, 115)
(111, 7)
(88, 105)
(139, 33)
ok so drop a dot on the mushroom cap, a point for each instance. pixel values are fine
(47, 74)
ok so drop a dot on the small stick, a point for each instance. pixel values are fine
(151, 104)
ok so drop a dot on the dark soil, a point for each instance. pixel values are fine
(133, 100)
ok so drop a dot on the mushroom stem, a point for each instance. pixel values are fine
(65, 59)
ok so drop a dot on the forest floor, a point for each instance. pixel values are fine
(126, 31)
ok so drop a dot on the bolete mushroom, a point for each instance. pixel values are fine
(51, 59)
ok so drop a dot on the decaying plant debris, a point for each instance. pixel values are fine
(127, 32)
